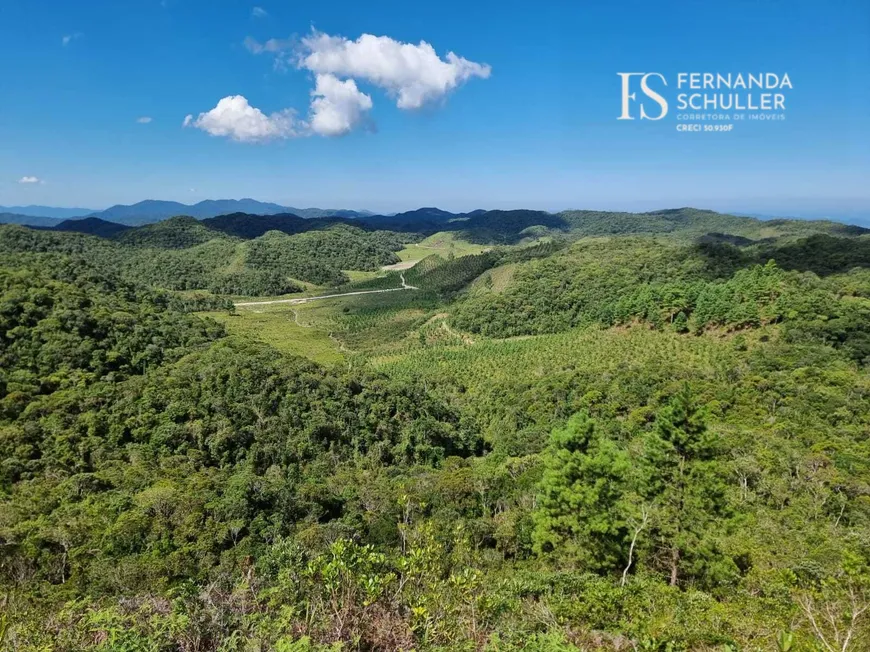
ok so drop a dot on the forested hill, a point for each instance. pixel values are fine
(91, 225)
(244, 225)
(244, 254)
(576, 432)
(183, 253)
(499, 226)
(512, 226)
(175, 233)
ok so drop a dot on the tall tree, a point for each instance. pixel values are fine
(684, 484)
(580, 510)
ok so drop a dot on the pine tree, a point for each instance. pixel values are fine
(580, 508)
(684, 485)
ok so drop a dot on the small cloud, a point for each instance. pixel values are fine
(338, 106)
(69, 38)
(259, 12)
(234, 118)
(192, 189)
(253, 45)
(144, 120)
(30, 180)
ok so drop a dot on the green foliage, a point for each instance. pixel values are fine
(251, 282)
(687, 223)
(62, 329)
(618, 282)
(319, 256)
(583, 483)
(593, 494)
(447, 276)
(676, 458)
(175, 233)
(685, 485)
(822, 254)
(183, 253)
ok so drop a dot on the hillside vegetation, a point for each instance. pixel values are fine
(688, 289)
(186, 254)
(587, 441)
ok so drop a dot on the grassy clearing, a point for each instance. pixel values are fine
(493, 280)
(324, 331)
(374, 322)
(308, 290)
(288, 328)
(237, 262)
(443, 243)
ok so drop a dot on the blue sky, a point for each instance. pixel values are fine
(540, 131)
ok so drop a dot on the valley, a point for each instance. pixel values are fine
(507, 430)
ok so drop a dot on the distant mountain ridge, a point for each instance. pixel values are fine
(47, 211)
(29, 220)
(153, 210)
(483, 227)
(501, 227)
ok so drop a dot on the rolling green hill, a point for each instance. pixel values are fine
(691, 222)
(186, 254)
(175, 233)
(91, 226)
(555, 432)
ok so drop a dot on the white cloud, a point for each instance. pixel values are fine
(68, 38)
(338, 106)
(414, 74)
(259, 12)
(29, 180)
(144, 120)
(235, 118)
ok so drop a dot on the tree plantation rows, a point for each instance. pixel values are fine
(614, 443)
(685, 289)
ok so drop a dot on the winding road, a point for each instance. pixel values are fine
(294, 302)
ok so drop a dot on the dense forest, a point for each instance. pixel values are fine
(183, 253)
(641, 433)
